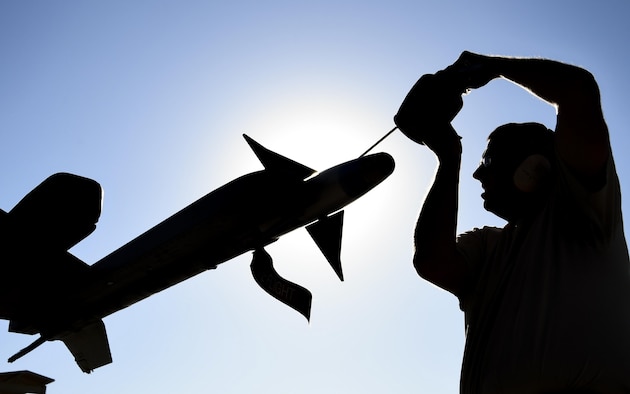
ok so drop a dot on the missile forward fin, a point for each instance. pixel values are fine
(291, 294)
(275, 162)
(38, 342)
(326, 233)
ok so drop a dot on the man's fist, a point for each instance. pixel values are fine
(430, 105)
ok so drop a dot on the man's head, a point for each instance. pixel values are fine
(515, 168)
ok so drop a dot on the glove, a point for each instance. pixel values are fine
(430, 106)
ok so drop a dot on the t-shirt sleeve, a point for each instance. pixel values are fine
(474, 246)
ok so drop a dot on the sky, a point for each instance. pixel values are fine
(151, 98)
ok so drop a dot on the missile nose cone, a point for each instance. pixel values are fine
(377, 167)
(369, 171)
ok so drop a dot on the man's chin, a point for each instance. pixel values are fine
(488, 206)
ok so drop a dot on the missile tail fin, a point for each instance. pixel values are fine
(275, 162)
(326, 233)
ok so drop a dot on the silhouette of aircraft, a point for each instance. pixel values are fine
(46, 290)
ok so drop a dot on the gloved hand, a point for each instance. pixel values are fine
(472, 71)
(435, 99)
(430, 106)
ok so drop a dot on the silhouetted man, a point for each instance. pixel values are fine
(546, 298)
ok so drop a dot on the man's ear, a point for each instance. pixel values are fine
(531, 174)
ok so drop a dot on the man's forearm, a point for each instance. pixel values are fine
(581, 133)
(436, 257)
(437, 222)
(555, 82)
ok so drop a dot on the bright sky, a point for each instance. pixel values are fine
(150, 98)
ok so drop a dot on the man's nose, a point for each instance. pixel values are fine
(479, 172)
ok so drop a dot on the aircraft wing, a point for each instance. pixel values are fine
(89, 346)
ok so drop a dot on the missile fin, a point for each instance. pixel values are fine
(326, 233)
(275, 162)
(291, 294)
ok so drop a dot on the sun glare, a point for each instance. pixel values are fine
(318, 135)
(321, 128)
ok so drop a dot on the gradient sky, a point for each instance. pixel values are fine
(150, 98)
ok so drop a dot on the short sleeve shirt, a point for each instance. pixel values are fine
(547, 307)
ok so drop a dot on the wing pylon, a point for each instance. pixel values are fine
(89, 346)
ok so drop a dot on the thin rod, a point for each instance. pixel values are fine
(379, 141)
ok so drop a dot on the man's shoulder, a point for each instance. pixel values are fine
(485, 231)
(476, 243)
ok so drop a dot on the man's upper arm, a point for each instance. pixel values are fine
(582, 138)
(449, 271)
(455, 271)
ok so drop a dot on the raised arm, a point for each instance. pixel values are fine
(425, 117)
(436, 257)
(581, 133)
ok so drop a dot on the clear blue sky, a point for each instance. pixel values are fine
(150, 98)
